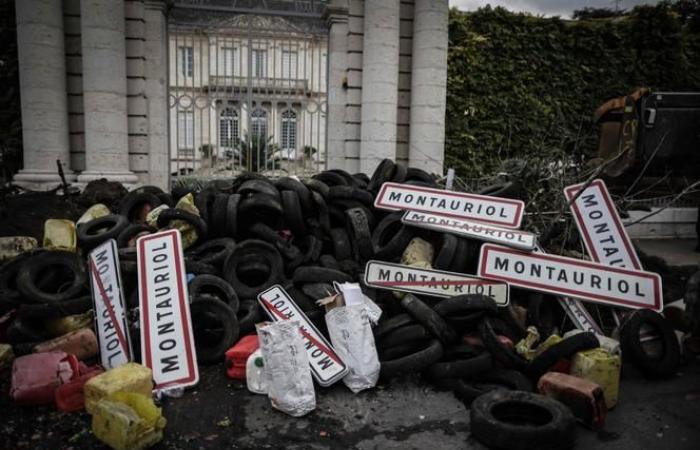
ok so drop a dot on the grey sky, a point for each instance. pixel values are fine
(562, 8)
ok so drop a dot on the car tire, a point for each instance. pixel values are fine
(661, 366)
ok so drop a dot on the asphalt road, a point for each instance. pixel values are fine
(408, 414)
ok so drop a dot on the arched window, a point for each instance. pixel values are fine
(228, 128)
(289, 130)
(258, 123)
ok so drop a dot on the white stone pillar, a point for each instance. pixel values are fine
(42, 79)
(428, 85)
(337, 18)
(157, 92)
(380, 78)
(104, 91)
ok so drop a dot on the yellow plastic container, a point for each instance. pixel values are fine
(59, 234)
(600, 367)
(67, 324)
(128, 421)
(11, 246)
(6, 356)
(418, 253)
(94, 212)
(130, 377)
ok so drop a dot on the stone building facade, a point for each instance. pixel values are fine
(96, 84)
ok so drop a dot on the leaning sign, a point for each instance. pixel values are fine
(603, 232)
(499, 211)
(167, 343)
(437, 283)
(475, 230)
(107, 296)
(326, 365)
(560, 275)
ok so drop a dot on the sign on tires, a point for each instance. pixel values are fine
(167, 343)
(467, 228)
(108, 300)
(326, 365)
(559, 275)
(504, 212)
(437, 283)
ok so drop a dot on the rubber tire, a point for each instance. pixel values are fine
(447, 252)
(511, 379)
(336, 193)
(430, 319)
(408, 334)
(32, 267)
(504, 355)
(319, 187)
(260, 208)
(341, 244)
(131, 202)
(360, 234)
(329, 262)
(293, 215)
(460, 368)
(206, 283)
(114, 223)
(217, 225)
(261, 186)
(232, 215)
(290, 184)
(221, 247)
(633, 350)
(416, 362)
(415, 174)
(387, 326)
(243, 251)
(496, 431)
(248, 315)
(388, 242)
(214, 308)
(55, 310)
(467, 303)
(382, 174)
(564, 349)
(399, 175)
(170, 214)
(331, 179)
(130, 231)
(324, 219)
(310, 274)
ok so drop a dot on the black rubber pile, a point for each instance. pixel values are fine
(255, 232)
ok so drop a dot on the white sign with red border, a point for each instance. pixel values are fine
(167, 343)
(603, 233)
(326, 366)
(107, 296)
(504, 212)
(560, 275)
(578, 313)
(437, 283)
(476, 230)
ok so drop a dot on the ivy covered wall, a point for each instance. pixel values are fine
(523, 85)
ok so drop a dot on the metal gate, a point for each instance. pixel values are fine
(247, 87)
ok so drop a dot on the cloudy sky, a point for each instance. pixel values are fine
(562, 8)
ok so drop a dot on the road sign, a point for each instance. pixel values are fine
(167, 343)
(437, 283)
(108, 299)
(476, 230)
(603, 233)
(326, 365)
(560, 275)
(575, 310)
(504, 212)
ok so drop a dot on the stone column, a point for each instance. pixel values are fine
(104, 91)
(428, 85)
(157, 92)
(42, 79)
(337, 18)
(380, 78)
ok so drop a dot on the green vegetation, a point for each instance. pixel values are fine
(520, 85)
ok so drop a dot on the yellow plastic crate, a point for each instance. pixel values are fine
(130, 377)
(128, 421)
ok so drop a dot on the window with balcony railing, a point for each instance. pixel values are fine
(186, 55)
(289, 130)
(228, 128)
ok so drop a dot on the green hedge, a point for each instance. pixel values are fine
(523, 85)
